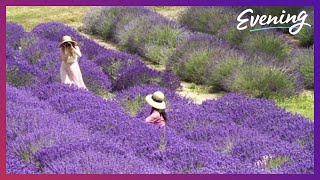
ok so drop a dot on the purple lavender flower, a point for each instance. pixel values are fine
(14, 33)
(54, 31)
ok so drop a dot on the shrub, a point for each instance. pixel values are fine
(138, 30)
(47, 91)
(94, 78)
(90, 49)
(206, 19)
(14, 33)
(303, 61)
(135, 74)
(262, 81)
(193, 58)
(264, 116)
(231, 34)
(36, 51)
(112, 62)
(223, 68)
(306, 35)
(28, 39)
(195, 66)
(99, 20)
(127, 15)
(267, 43)
(31, 129)
(54, 31)
(50, 65)
(20, 74)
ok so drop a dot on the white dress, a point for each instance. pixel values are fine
(70, 71)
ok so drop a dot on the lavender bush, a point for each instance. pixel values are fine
(306, 35)
(14, 33)
(54, 31)
(206, 19)
(263, 81)
(137, 29)
(36, 51)
(18, 72)
(303, 61)
(269, 43)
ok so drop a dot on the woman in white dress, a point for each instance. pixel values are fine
(70, 71)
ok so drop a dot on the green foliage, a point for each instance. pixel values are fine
(223, 69)
(195, 67)
(261, 81)
(268, 44)
(306, 34)
(158, 54)
(205, 19)
(303, 61)
(163, 36)
(307, 70)
(18, 79)
(102, 24)
(303, 104)
(277, 162)
(112, 69)
(133, 106)
(27, 41)
(234, 36)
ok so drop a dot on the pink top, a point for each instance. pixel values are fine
(156, 118)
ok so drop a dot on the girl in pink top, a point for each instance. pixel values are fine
(158, 114)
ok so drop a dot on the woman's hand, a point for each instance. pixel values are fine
(76, 49)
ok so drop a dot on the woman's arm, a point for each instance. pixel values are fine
(76, 49)
(63, 56)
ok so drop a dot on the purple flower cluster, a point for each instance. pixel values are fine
(14, 33)
(265, 117)
(82, 133)
(103, 70)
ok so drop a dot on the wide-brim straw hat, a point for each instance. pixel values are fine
(156, 100)
(66, 39)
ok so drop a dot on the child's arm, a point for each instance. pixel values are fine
(152, 116)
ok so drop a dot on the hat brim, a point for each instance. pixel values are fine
(65, 42)
(155, 104)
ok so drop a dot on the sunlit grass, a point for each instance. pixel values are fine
(303, 104)
(30, 16)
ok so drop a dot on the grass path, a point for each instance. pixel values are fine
(30, 16)
(33, 15)
(171, 12)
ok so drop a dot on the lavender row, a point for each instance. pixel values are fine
(194, 57)
(34, 57)
(221, 22)
(283, 146)
(108, 120)
(128, 143)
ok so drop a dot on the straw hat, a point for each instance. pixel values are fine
(156, 100)
(66, 39)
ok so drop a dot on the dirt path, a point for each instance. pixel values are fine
(105, 44)
(197, 93)
(171, 12)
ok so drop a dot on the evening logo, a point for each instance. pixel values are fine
(286, 21)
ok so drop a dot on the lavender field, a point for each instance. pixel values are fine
(53, 128)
